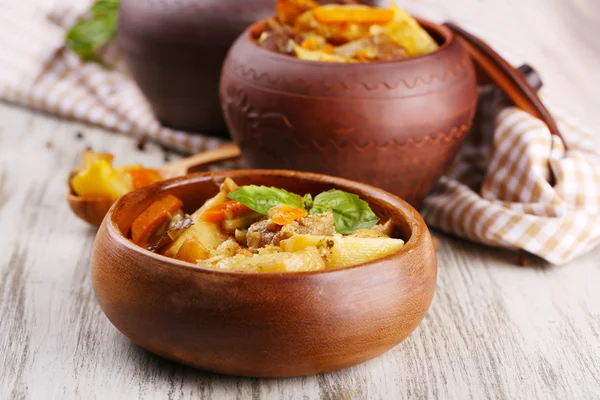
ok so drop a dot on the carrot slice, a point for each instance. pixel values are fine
(229, 209)
(159, 212)
(341, 15)
(287, 214)
(143, 177)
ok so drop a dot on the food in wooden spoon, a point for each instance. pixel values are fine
(98, 184)
(265, 229)
(344, 33)
(100, 179)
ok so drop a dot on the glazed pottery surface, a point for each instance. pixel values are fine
(396, 125)
(263, 324)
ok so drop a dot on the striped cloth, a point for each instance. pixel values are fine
(512, 186)
(37, 71)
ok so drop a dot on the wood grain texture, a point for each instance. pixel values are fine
(231, 323)
(494, 331)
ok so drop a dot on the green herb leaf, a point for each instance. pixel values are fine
(88, 36)
(262, 198)
(350, 213)
(308, 201)
(106, 8)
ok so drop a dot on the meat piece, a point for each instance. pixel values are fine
(261, 233)
(265, 232)
(387, 228)
(279, 38)
(351, 49)
(228, 248)
(168, 233)
(318, 225)
(378, 47)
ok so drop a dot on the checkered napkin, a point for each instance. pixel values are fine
(515, 186)
(512, 186)
(38, 72)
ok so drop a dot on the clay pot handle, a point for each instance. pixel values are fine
(509, 79)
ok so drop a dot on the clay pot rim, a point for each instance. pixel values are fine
(254, 30)
(405, 211)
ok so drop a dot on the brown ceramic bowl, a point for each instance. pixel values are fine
(394, 125)
(263, 324)
(175, 49)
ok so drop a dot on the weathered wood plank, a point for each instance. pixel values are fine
(495, 330)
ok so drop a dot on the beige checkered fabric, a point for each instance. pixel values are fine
(513, 185)
(36, 71)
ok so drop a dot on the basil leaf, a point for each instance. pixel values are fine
(262, 198)
(86, 37)
(106, 8)
(350, 213)
(308, 201)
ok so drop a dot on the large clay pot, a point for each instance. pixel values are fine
(395, 125)
(175, 50)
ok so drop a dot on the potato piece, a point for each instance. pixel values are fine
(379, 47)
(90, 157)
(100, 180)
(191, 251)
(304, 260)
(228, 248)
(204, 232)
(403, 28)
(319, 55)
(406, 32)
(345, 251)
(301, 242)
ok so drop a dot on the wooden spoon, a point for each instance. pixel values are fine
(93, 209)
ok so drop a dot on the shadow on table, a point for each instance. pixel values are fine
(465, 248)
(169, 371)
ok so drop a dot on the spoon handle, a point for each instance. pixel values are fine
(181, 167)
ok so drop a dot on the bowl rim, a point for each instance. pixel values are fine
(409, 214)
(439, 29)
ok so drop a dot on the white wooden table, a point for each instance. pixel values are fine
(495, 330)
